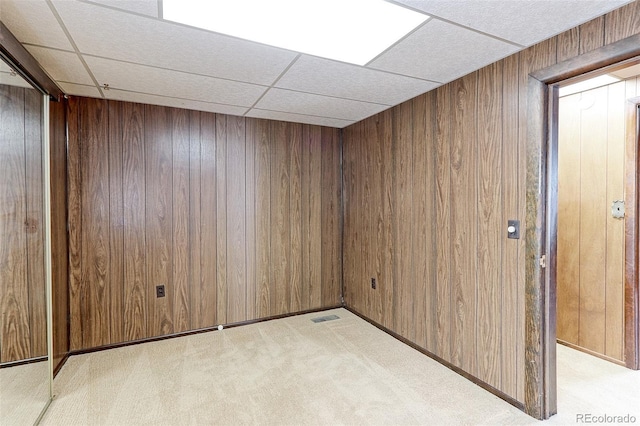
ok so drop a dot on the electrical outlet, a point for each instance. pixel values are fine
(160, 291)
(373, 283)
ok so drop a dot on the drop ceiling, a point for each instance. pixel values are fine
(124, 50)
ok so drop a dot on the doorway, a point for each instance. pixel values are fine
(542, 214)
(592, 167)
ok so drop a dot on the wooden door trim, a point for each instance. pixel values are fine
(541, 217)
(631, 283)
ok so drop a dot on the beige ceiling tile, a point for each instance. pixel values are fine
(144, 79)
(298, 118)
(173, 102)
(143, 7)
(61, 66)
(31, 21)
(114, 34)
(80, 90)
(442, 52)
(326, 77)
(523, 22)
(322, 106)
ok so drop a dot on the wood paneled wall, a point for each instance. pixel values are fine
(238, 218)
(429, 187)
(59, 242)
(23, 326)
(591, 243)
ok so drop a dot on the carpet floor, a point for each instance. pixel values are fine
(294, 371)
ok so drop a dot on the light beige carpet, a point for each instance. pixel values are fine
(289, 371)
(24, 392)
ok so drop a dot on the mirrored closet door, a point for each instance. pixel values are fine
(25, 366)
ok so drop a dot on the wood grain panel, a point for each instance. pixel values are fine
(403, 241)
(501, 118)
(180, 135)
(331, 208)
(490, 228)
(280, 219)
(159, 218)
(295, 216)
(14, 293)
(591, 35)
(74, 209)
(366, 246)
(614, 274)
(236, 225)
(265, 286)
(443, 218)
(464, 196)
(95, 292)
(622, 23)
(116, 225)
(208, 301)
(590, 291)
(419, 191)
(568, 44)
(593, 227)
(136, 295)
(35, 222)
(212, 207)
(198, 301)
(510, 248)
(221, 219)
(569, 211)
(250, 218)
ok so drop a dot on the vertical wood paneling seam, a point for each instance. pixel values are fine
(23, 220)
(451, 246)
(342, 213)
(478, 194)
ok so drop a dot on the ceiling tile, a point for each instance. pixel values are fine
(442, 52)
(523, 22)
(173, 102)
(326, 77)
(298, 118)
(144, 79)
(321, 106)
(80, 90)
(143, 7)
(114, 34)
(61, 66)
(33, 22)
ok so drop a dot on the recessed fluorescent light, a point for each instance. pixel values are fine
(354, 31)
(583, 86)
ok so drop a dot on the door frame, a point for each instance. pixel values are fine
(541, 223)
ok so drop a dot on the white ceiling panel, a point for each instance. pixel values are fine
(442, 52)
(173, 102)
(321, 106)
(80, 90)
(149, 60)
(118, 35)
(144, 79)
(143, 7)
(326, 77)
(31, 21)
(523, 22)
(298, 118)
(61, 66)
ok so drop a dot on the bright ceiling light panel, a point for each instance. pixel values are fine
(354, 31)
